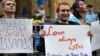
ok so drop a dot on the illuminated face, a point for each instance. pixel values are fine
(82, 6)
(9, 7)
(64, 12)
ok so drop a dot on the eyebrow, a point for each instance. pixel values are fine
(65, 10)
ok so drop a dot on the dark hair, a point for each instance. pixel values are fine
(62, 3)
(89, 5)
(74, 6)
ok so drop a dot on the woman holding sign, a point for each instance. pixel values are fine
(79, 14)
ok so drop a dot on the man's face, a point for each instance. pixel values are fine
(64, 12)
(9, 7)
(41, 7)
(90, 9)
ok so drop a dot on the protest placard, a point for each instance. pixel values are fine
(67, 40)
(15, 36)
(95, 41)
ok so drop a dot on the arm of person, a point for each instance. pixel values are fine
(41, 22)
(38, 22)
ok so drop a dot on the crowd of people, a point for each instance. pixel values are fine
(79, 14)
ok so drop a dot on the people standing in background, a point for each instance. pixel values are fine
(91, 16)
(38, 18)
(38, 22)
(42, 11)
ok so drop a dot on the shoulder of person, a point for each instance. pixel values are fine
(23, 17)
(73, 23)
(55, 23)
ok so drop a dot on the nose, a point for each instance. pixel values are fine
(11, 5)
(67, 12)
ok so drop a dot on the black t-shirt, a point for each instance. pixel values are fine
(69, 23)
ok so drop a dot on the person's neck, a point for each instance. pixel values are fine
(82, 14)
(41, 9)
(90, 11)
(9, 15)
(82, 19)
(63, 22)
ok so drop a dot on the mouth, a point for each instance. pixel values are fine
(65, 16)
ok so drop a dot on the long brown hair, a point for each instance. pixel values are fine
(74, 6)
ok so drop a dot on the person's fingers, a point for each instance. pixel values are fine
(90, 33)
(42, 33)
(33, 36)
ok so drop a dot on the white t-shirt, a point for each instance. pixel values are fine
(42, 12)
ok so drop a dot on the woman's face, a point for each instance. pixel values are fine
(82, 7)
